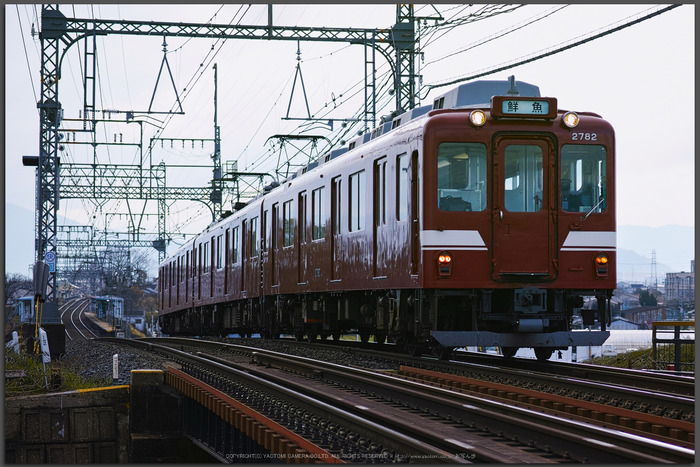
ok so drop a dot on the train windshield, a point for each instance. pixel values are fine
(461, 176)
(583, 175)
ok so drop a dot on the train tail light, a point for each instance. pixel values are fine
(601, 261)
(444, 264)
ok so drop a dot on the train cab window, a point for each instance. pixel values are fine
(523, 178)
(461, 180)
(288, 227)
(357, 201)
(318, 214)
(583, 178)
(254, 237)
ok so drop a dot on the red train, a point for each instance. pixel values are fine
(485, 219)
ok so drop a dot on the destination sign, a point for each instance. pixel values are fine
(524, 107)
(513, 106)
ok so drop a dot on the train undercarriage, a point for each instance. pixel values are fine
(424, 320)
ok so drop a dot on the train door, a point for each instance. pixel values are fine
(188, 277)
(524, 209)
(244, 254)
(199, 272)
(264, 251)
(415, 212)
(227, 260)
(274, 234)
(336, 238)
(301, 239)
(253, 269)
(380, 240)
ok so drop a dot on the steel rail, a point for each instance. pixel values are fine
(600, 444)
(391, 439)
(672, 384)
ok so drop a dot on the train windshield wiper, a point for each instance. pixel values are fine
(593, 209)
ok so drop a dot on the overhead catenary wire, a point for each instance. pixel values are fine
(551, 51)
(26, 55)
(499, 34)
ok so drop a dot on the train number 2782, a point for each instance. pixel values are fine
(584, 136)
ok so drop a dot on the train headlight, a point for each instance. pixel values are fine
(477, 118)
(601, 261)
(444, 264)
(570, 119)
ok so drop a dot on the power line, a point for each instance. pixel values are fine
(547, 53)
(500, 34)
(26, 55)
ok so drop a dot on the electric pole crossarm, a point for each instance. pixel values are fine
(224, 31)
(80, 243)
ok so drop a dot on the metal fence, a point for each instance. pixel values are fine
(674, 345)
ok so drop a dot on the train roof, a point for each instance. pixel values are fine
(479, 93)
(473, 94)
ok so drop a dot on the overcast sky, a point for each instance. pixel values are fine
(641, 79)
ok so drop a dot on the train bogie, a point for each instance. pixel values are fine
(485, 225)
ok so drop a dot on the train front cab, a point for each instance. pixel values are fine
(519, 228)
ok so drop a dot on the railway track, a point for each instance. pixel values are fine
(456, 425)
(77, 325)
(659, 394)
(674, 383)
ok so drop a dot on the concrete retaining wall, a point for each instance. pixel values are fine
(86, 426)
(140, 423)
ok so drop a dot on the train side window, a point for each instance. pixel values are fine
(234, 244)
(212, 254)
(402, 187)
(357, 201)
(205, 257)
(194, 262)
(301, 214)
(274, 234)
(227, 248)
(336, 187)
(263, 231)
(219, 252)
(583, 178)
(380, 192)
(318, 215)
(254, 237)
(288, 219)
(462, 181)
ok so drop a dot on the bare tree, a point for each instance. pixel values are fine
(16, 286)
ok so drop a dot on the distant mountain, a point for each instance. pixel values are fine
(674, 245)
(635, 268)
